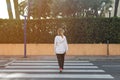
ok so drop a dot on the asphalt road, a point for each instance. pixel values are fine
(74, 70)
(110, 66)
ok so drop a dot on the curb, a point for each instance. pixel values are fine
(7, 63)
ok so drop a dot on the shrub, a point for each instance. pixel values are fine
(85, 30)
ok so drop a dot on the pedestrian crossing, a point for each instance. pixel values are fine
(27, 69)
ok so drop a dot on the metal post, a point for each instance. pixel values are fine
(109, 14)
(107, 47)
(25, 24)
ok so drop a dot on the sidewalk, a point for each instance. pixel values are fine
(6, 60)
(90, 58)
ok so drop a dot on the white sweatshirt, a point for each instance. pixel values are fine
(60, 45)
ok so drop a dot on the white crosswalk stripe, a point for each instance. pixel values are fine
(23, 75)
(38, 70)
(50, 64)
(51, 67)
(26, 61)
(23, 69)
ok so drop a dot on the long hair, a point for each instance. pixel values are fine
(60, 31)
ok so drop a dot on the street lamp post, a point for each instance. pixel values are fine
(25, 15)
(25, 40)
(110, 9)
(99, 12)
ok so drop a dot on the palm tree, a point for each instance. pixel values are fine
(34, 8)
(16, 9)
(116, 8)
(9, 9)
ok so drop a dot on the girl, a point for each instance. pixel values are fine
(61, 46)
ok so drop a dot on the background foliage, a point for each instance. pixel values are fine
(65, 8)
(84, 30)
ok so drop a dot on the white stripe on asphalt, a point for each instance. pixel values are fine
(24, 61)
(9, 63)
(86, 76)
(38, 70)
(34, 67)
(51, 63)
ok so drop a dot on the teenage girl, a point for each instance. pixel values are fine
(61, 47)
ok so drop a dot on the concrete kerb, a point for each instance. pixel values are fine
(5, 62)
(99, 58)
(78, 58)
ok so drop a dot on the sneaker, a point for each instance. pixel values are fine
(60, 70)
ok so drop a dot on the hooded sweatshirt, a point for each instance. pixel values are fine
(60, 45)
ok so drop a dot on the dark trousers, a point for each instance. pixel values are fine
(60, 58)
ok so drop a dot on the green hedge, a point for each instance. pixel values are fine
(85, 30)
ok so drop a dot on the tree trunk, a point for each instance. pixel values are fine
(116, 8)
(16, 9)
(9, 9)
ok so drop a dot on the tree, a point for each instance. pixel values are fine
(38, 8)
(16, 9)
(65, 8)
(9, 9)
(80, 7)
(116, 8)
